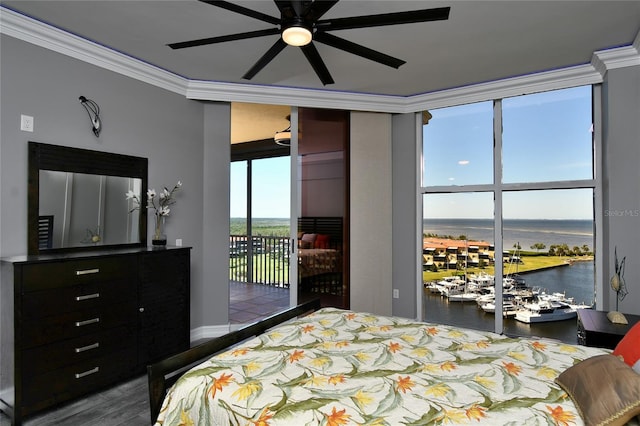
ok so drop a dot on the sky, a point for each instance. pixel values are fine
(546, 137)
(270, 188)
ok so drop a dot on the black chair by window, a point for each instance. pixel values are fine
(45, 232)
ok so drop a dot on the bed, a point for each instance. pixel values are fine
(339, 367)
(321, 255)
(318, 261)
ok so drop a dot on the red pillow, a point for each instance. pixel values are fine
(322, 241)
(629, 347)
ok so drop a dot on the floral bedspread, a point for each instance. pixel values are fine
(338, 367)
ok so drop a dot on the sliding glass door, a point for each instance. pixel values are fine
(289, 208)
(322, 210)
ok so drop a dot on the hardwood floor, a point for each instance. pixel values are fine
(127, 404)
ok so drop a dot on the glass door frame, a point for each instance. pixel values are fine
(296, 206)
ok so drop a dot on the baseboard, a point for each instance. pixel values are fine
(209, 332)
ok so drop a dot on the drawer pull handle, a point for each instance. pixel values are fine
(88, 372)
(87, 322)
(88, 347)
(87, 297)
(87, 271)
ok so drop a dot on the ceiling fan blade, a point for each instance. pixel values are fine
(244, 11)
(357, 49)
(317, 63)
(395, 18)
(220, 39)
(265, 59)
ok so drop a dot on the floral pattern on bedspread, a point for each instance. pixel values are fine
(338, 367)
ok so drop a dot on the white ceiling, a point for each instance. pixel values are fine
(482, 40)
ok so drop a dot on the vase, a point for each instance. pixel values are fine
(159, 238)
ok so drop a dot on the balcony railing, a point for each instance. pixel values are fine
(259, 260)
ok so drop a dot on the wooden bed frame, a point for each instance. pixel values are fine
(165, 373)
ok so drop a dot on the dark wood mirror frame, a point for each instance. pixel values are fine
(68, 159)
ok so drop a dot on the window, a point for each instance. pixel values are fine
(460, 148)
(259, 221)
(238, 197)
(531, 220)
(547, 136)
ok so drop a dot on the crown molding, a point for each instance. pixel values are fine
(277, 95)
(621, 57)
(32, 31)
(549, 80)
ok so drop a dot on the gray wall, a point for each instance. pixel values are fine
(403, 157)
(138, 119)
(214, 294)
(621, 184)
(371, 235)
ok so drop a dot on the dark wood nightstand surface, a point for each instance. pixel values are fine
(595, 329)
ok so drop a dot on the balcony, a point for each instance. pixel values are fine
(258, 277)
(259, 265)
(259, 260)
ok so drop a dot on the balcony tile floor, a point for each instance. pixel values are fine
(251, 302)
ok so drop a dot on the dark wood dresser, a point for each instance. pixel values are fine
(74, 323)
(595, 329)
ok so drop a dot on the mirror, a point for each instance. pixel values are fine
(77, 199)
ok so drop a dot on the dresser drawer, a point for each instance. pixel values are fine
(68, 352)
(77, 271)
(43, 303)
(60, 385)
(77, 323)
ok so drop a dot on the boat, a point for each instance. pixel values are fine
(513, 281)
(545, 311)
(480, 281)
(465, 293)
(450, 284)
(488, 297)
(463, 296)
(510, 304)
(509, 308)
(432, 286)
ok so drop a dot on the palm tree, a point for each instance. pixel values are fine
(538, 246)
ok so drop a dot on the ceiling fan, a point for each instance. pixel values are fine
(300, 25)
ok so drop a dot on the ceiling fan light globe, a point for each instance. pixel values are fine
(296, 36)
(283, 137)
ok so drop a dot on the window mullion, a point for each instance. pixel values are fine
(598, 214)
(497, 226)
